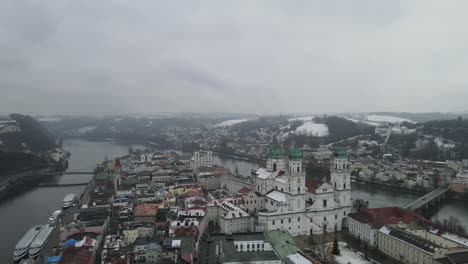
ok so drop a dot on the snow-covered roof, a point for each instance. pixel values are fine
(281, 179)
(262, 173)
(232, 211)
(277, 196)
(385, 230)
(453, 237)
(297, 258)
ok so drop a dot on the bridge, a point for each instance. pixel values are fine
(427, 199)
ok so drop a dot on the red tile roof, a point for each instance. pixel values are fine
(378, 217)
(76, 256)
(145, 209)
(244, 190)
(312, 185)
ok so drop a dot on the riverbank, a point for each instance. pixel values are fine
(392, 187)
(20, 181)
(254, 160)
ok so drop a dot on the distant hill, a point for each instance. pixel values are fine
(423, 117)
(32, 136)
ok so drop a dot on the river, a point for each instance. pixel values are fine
(32, 206)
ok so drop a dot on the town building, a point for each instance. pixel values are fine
(414, 243)
(292, 205)
(366, 223)
(229, 217)
(271, 247)
(201, 159)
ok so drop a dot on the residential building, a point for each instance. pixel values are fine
(145, 212)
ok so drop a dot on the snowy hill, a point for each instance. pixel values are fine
(231, 122)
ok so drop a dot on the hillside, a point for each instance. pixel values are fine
(32, 136)
(26, 147)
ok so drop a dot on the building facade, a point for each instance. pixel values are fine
(201, 159)
(291, 205)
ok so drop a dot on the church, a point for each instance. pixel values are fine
(288, 203)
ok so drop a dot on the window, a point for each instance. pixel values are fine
(289, 220)
(273, 222)
(298, 189)
(344, 185)
(281, 221)
(242, 246)
(324, 218)
(248, 246)
(344, 213)
(336, 216)
(335, 184)
(324, 203)
(298, 169)
(298, 219)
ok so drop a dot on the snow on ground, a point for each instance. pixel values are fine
(86, 129)
(387, 119)
(304, 118)
(363, 121)
(350, 256)
(314, 129)
(49, 119)
(231, 122)
(443, 145)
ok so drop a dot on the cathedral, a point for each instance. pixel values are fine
(289, 203)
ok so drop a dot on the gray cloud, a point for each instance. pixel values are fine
(91, 57)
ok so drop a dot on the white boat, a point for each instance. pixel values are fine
(43, 241)
(22, 247)
(69, 200)
(54, 216)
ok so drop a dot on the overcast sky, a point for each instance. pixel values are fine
(104, 57)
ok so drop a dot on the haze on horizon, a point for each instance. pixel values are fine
(113, 57)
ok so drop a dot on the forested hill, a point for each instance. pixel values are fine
(32, 136)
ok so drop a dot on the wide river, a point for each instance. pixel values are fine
(31, 207)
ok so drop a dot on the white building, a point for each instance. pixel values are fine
(201, 158)
(229, 217)
(233, 183)
(365, 224)
(291, 205)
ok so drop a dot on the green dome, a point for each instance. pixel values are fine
(276, 152)
(295, 154)
(340, 153)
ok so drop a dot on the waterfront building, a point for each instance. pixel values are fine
(200, 159)
(365, 224)
(300, 208)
